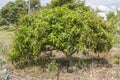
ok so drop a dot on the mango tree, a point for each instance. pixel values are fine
(60, 29)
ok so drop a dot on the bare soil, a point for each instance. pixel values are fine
(98, 73)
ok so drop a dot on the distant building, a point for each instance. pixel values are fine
(103, 15)
(103, 11)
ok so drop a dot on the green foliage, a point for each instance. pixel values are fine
(114, 21)
(61, 28)
(55, 3)
(71, 4)
(7, 28)
(110, 15)
(0, 14)
(34, 3)
(5, 10)
(13, 10)
(116, 59)
(53, 69)
(53, 66)
(98, 35)
(3, 21)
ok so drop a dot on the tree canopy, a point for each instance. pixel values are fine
(55, 3)
(34, 3)
(13, 10)
(66, 28)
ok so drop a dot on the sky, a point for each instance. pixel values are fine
(88, 2)
(103, 3)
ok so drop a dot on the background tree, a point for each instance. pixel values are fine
(5, 10)
(110, 15)
(114, 20)
(34, 4)
(13, 10)
(2, 20)
(55, 3)
(71, 4)
(0, 14)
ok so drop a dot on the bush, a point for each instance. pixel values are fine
(60, 29)
(3, 22)
(116, 59)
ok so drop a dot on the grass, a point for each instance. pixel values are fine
(6, 34)
(6, 37)
(7, 28)
(115, 51)
(117, 41)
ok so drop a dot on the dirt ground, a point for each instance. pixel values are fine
(93, 73)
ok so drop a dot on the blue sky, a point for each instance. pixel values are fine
(90, 2)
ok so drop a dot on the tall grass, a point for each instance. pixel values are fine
(6, 34)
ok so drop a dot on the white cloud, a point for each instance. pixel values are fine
(43, 2)
(103, 2)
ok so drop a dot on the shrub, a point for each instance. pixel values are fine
(3, 22)
(60, 29)
(116, 59)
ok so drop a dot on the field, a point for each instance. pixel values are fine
(99, 69)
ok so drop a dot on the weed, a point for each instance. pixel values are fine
(52, 69)
(116, 59)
